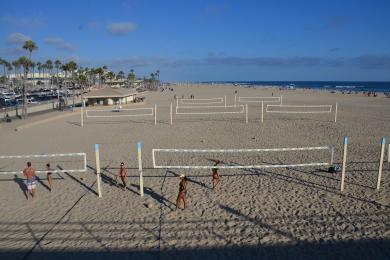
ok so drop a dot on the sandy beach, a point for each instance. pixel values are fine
(294, 213)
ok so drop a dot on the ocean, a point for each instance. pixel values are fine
(321, 85)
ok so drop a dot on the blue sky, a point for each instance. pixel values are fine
(208, 40)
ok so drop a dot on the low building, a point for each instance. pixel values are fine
(110, 96)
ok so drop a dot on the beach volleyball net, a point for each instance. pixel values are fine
(200, 101)
(242, 158)
(107, 115)
(299, 109)
(66, 162)
(209, 110)
(120, 112)
(259, 99)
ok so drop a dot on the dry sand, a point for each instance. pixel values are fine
(253, 214)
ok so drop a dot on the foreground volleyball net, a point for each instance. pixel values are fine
(242, 158)
(120, 113)
(65, 162)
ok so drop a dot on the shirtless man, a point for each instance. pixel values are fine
(216, 176)
(182, 192)
(31, 182)
(123, 174)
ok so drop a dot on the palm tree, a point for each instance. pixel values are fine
(33, 71)
(57, 64)
(49, 66)
(2, 62)
(64, 67)
(121, 75)
(39, 67)
(30, 46)
(16, 65)
(100, 73)
(9, 68)
(131, 76)
(43, 67)
(26, 64)
(72, 67)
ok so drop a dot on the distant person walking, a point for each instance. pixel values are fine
(123, 174)
(49, 176)
(182, 192)
(31, 179)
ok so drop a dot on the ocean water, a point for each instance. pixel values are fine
(322, 85)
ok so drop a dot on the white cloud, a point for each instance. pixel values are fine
(60, 44)
(17, 38)
(23, 21)
(120, 29)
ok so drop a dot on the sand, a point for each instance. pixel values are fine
(271, 213)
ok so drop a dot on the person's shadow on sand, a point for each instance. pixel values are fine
(159, 198)
(22, 185)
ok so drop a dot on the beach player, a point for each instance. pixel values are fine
(31, 181)
(49, 176)
(123, 174)
(182, 192)
(216, 177)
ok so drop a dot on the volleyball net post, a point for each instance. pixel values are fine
(155, 114)
(98, 177)
(344, 164)
(171, 114)
(141, 179)
(382, 155)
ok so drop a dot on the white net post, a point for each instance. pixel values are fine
(235, 99)
(82, 114)
(332, 156)
(177, 101)
(246, 113)
(383, 144)
(281, 99)
(141, 179)
(388, 154)
(155, 114)
(171, 114)
(344, 163)
(335, 113)
(225, 101)
(98, 178)
(262, 111)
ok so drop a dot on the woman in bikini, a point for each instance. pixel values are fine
(182, 192)
(49, 177)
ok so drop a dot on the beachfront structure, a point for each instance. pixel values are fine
(110, 96)
(37, 76)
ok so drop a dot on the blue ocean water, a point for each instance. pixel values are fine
(322, 85)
